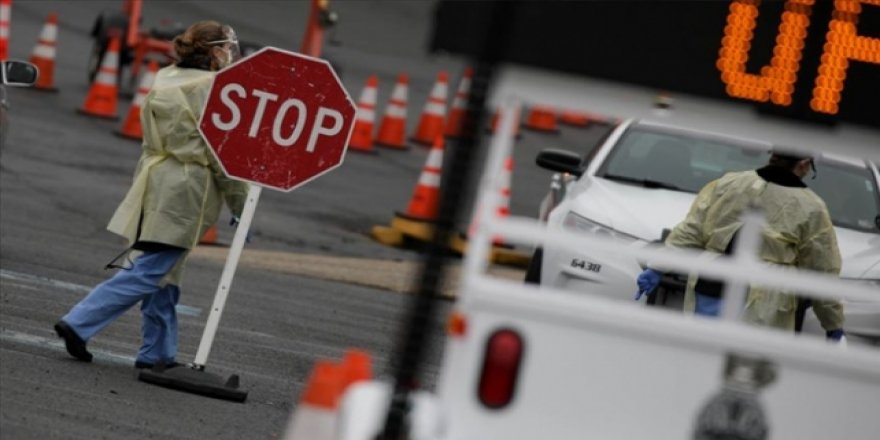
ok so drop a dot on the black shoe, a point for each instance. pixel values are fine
(75, 346)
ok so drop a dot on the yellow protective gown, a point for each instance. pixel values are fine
(179, 188)
(799, 234)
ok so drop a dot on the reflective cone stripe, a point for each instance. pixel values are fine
(426, 197)
(542, 118)
(503, 209)
(459, 105)
(392, 130)
(433, 115)
(132, 126)
(362, 136)
(5, 20)
(43, 55)
(102, 98)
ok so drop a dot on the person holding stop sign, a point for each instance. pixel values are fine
(177, 194)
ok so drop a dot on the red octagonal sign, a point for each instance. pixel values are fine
(278, 119)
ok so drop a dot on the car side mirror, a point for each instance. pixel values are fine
(560, 160)
(19, 73)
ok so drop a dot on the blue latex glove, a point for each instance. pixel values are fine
(835, 335)
(707, 305)
(648, 282)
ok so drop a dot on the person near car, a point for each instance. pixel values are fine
(799, 233)
(176, 195)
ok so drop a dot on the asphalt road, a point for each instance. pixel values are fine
(62, 174)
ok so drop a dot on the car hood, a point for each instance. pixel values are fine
(645, 212)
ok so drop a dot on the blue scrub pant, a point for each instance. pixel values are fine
(707, 305)
(113, 297)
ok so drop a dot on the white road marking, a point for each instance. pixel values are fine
(55, 344)
(27, 280)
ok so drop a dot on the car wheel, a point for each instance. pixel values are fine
(533, 272)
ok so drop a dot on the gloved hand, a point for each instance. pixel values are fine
(234, 221)
(707, 305)
(648, 281)
(836, 335)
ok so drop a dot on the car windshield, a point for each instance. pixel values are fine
(657, 157)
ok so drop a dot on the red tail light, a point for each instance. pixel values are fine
(500, 368)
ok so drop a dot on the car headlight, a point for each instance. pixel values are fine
(576, 223)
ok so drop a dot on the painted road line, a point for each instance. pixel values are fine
(26, 280)
(55, 344)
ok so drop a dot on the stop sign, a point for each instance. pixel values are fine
(278, 119)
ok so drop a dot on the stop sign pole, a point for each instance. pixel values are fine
(276, 119)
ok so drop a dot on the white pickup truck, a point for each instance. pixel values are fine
(529, 362)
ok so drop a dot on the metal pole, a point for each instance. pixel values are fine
(241, 232)
(453, 187)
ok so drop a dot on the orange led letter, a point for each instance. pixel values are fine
(842, 44)
(776, 81)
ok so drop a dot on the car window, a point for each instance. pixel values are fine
(679, 159)
(850, 193)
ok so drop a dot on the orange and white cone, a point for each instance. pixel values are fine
(43, 55)
(459, 105)
(210, 236)
(542, 118)
(5, 22)
(317, 413)
(392, 130)
(131, 127)
(362, 135)
(103, 95)
(575, 118)
(426, 198)
(434, 114)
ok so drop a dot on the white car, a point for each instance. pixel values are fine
(641, 180)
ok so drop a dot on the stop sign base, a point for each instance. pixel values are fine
(196, 381)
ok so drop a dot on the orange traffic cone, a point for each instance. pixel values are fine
(5, 21)
(426, 197)
(362, 135)
(577, 119)
(459, 105)
(542, 118)
(102, 98)
(434, 113)
(210, 236)
(43, 55)
(131, 128)
(358, 367)
(392, 130)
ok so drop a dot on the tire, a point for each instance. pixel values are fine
(533, 272)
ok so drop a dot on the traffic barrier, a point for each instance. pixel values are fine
(43, 55)
(103, 95)
(542, 118)
(5, 21)
(316, 414)
(434, 114)
(392, 130)
(131, 127)
(362, 134)
(455, 122)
